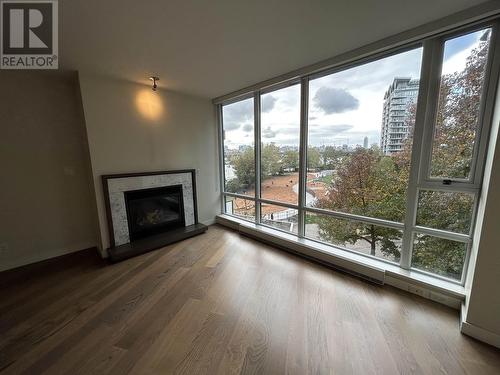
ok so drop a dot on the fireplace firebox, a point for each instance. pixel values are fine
(155, 210)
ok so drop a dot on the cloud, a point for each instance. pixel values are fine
(234, 115)
(290, 130)
(268, 133)
(268, 102)
(329, 130)
(231, 125)
(376, 75)
(462, 43)
(247, 128)
(458, 50)
(333, 100)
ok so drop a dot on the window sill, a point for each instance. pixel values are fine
(381, 272)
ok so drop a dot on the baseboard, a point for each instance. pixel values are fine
(46, 256)
(103, 253)
(54, 263)
(478, 333)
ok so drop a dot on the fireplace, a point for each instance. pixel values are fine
(153, 211)
(149, 210)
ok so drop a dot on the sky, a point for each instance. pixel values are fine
(344, 107)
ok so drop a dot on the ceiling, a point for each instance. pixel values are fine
(210, 48)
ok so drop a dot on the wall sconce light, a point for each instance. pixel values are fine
(154, 79)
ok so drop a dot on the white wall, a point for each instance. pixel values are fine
(482, 309)
(133, 129)
(46, 204)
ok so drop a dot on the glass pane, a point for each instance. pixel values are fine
(239, 154)
(439, 256)
(242, 208)
(368, 239)
(462, 80)
(445, 210)
(280, 217)
(360, 136)
(280, 123)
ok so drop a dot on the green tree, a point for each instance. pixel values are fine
(291, 160)
(244, 168)
(270, 160)
(313, 158)
(367, 184)
(332, 157)
(439, 256)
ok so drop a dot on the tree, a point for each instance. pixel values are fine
(313, 158)
(440, 256)
(244, 168)
(291, 160)
(367, 184)
(332, 157)
(270, 160)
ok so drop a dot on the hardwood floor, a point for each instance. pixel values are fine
(220, 303)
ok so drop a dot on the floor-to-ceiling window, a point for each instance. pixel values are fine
(238, 134)
(450, 168)
(382, 156)
(279, 157)
(350, 170)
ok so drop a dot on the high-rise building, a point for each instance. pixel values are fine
(365, 142)
(399, 97)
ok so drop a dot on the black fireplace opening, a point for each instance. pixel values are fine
(153, 211)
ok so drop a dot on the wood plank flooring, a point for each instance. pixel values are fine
(221, 303)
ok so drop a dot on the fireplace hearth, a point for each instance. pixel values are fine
(150, 210)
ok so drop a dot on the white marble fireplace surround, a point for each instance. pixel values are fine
(117, 186)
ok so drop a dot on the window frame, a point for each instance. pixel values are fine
(419, 179)
(222, 157)
(270, 90)
(427, 127)
(478, 154)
